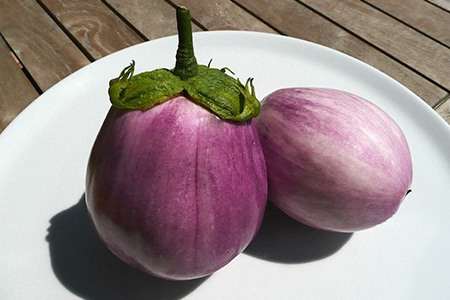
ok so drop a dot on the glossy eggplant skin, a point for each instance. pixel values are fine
(174, 190)
(335, 161)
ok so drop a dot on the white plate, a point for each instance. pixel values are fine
(50, 251)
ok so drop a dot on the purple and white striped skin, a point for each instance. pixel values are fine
(174, 190)
(335, 161)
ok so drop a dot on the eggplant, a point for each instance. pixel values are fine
(335, 161)
(176, 182)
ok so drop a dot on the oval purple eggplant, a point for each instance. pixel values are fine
(335, 161)
(174, 190)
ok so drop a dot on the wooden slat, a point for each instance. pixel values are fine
(16, 92)
(444, 109)
(293, 19)
(46, 52)
(96, 28)
(154, 19)
(223, 15)
(419, 14)
(445, 4)
(376, 27)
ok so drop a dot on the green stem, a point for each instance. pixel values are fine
(186, 65)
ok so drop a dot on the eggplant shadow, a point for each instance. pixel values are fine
(284, 240)
(84, 265)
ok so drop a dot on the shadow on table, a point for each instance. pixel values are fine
(282, 239)
(84, 265)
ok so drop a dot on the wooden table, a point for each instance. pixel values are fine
(43, 41)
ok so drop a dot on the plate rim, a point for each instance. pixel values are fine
(37, 102)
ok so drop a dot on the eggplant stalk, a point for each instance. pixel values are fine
(186, 65)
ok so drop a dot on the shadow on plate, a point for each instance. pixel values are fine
(84, 265)
(282, 239)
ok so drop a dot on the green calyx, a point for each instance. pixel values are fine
(212, 88)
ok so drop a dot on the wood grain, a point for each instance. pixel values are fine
(296, 20)
(154, 19)
(96, 28)
(391, 36)
(408, 40)
(16, 91)
(445, 4)
(419, 14)
(43, 48)
(443, 109)
(223, 15)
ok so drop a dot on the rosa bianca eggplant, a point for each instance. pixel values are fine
(335, 161)
(176, 181)
(174, 190)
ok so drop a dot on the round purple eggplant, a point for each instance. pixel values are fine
(176, 182)
(335, 161)
(175, 190)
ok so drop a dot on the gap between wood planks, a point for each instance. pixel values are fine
(66, 32)
(399, 19)
(174, 5)
(374, 45)
(441, 101)
(442, 4)
(21, 66)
